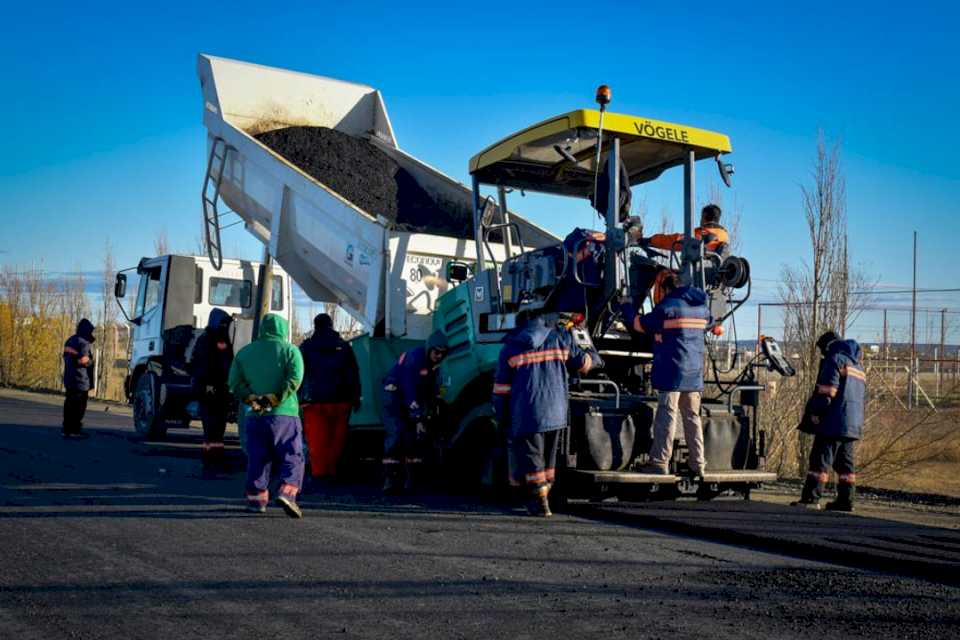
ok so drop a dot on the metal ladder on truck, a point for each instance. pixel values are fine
(210, 195)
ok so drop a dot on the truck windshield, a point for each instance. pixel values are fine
(230, 292)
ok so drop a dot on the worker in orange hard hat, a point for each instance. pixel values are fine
(713, 235)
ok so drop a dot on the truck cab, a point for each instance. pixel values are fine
(173, 299)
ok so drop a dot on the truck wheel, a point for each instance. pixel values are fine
(146, 407)
(476, 456)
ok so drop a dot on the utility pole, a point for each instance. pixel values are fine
(913, 328)
(886, 349)
(942, 357)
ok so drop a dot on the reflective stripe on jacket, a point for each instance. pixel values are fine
(677, 324)
(530, 387)
(842, 381)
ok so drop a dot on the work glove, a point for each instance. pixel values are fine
(211, 390)
(269, 401)
(421, 430)
(253, 402)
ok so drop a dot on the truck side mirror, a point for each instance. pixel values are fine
(457, 271)
(120, 286)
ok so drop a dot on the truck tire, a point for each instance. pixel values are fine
(476, 457)
(146, 407)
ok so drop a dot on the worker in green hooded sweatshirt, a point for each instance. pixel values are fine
(265, 375)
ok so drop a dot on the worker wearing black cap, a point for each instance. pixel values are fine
(834, 415)
(409, 392)
(713, 234)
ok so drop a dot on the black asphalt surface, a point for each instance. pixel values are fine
(114, 538)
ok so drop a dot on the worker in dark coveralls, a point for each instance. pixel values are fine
(266, 375)
(77, 379)
(409, 392)
(212, 357)
(530, 397)
(581, 283)
(331, 388)
(677, 325)
(834, 414)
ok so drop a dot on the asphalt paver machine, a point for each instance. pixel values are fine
(580, 154)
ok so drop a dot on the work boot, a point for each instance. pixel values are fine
(844, 501)
(290, 506)
(812, 490)
(539, 504)
(391, 480)
(813, 505)
(255, 507)
(655, 469)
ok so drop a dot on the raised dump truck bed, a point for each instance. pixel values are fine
(372, 264)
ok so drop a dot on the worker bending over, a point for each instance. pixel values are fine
(713, 235)
(677, 325)
(409, 392)
(266, 375)
(530, 397)
(834, 415)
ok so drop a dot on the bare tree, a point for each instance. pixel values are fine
(161, 246)
(816, 294)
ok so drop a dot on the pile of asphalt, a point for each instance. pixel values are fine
(369, 178)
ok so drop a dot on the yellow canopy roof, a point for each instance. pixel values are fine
(530, 159)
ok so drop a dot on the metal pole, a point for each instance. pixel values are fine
(477, 232)
(943, 353)
(689, 194)
(759, 333)
(507, 231)
(886, 349)
(611, 272)
(913, 320)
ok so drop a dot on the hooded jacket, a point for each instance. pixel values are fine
(677, 325)
(77, 376)
(530, 387)
(840, 392)
(331, 374)
(269, 364)
(412, 383)
(584, 253)
(211, 365)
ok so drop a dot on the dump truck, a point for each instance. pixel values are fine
(174, 297)
(388, 276)
(401, 283)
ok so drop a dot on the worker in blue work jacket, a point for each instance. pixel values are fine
(834, 415)
(78, 373)
(677, 325)
(409, 392)
(530, 397)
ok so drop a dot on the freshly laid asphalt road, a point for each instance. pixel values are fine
(116, 538)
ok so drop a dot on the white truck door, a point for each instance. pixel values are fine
(148, 313)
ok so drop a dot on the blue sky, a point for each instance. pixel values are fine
(104, 142)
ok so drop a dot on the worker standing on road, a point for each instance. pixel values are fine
(212, 357)
(834, 414)
(677, 325)
(530, 398)
(409, 392)
(331, 388)
(266, 375)
(77, 379)
(713, 235)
